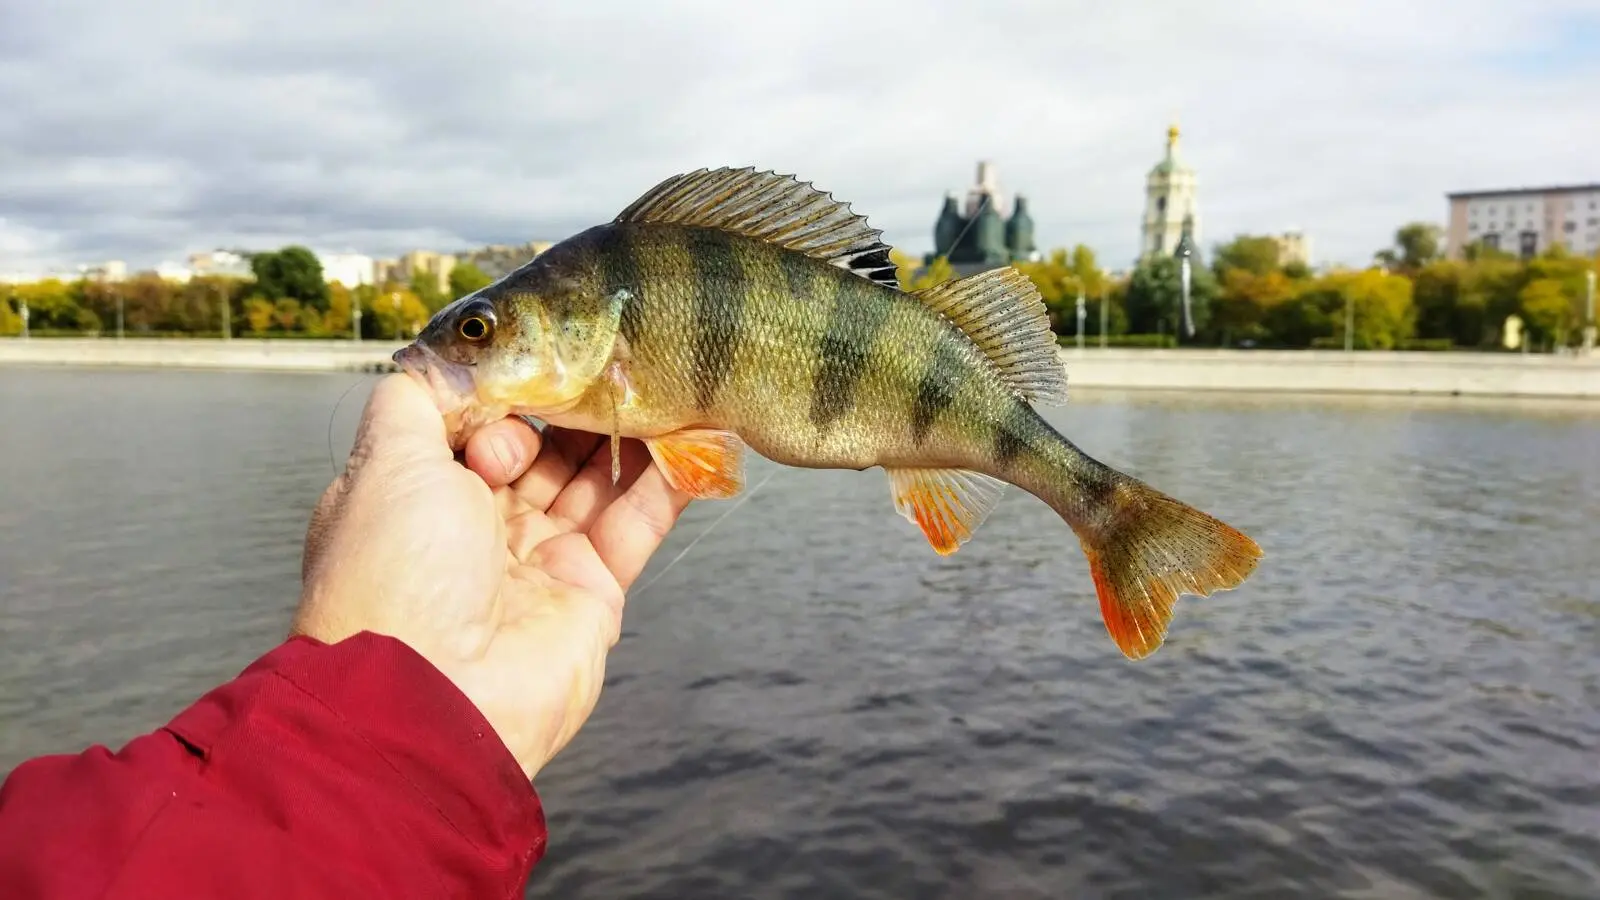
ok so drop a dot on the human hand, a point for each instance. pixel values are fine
(508, 574)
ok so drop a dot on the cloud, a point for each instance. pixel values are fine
(148, 131)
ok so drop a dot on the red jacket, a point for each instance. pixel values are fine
(345, 770)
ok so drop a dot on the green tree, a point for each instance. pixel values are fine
(466, 278)
(398, 313)
(1378, 302)
(1549, 309)
(938, 272)
(1415, 245)
(293, 273)
(1442, 309)
(425, 286)
(1245, 300)
(1257, 255)
(258, 313)
(10, 319)
(1155, 297)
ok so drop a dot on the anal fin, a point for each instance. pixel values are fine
(947, 504)
(705, 463)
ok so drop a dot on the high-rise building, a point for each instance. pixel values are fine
(1525, 221)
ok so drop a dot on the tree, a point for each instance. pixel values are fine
(1441, 312)
(425, 286)
(1246, 297)
(10, 319)
(1155, 297)
(938, 273)
(397, 312)
(1549, 309)
(258, 313)
(1379, 304)
(293, 273)
(1256, 255)
(466, 278)
(1415, 245)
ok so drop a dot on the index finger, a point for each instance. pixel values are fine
(630, 530)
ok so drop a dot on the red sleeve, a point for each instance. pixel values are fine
(347, 770)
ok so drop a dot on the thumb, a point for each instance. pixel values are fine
(401, 423)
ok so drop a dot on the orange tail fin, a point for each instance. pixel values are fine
(1149, 550)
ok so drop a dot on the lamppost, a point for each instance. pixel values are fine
(1102, 316)
(1184, 252)
(119, 315)
(1080, 317)
(22, 310)
(355, 315)
(1349, 323)
(1588, 328)
(227, 313)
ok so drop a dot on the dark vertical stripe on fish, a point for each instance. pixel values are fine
(937, 389)
(718, 310)
(1011, 433)
(620, 272)
(855, 318)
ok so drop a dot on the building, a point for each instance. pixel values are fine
(400, 271)
(499, 260)
(988, 232)
(1293, 247)
(220, 264)
(348, 269)
(1525, 221)
(1171, 208)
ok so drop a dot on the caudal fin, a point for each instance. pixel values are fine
(1146, 551)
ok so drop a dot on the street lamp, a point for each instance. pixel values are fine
(1184, 253)
(22, 310)
(355, 315)
(1080, 317)
(119, 315)
(1588, 328)
(1102, 316)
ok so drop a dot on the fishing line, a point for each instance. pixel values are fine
(717, 521)
(335, 414)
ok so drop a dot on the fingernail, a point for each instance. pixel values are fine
(506, 451)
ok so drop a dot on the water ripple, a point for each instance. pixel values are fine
(1401, 703)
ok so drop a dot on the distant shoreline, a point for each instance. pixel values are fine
(1255, 371)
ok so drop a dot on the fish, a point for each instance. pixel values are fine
(730, 310)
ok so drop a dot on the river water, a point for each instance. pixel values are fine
(1404, 701)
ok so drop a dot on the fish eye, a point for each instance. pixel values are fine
(477, 326)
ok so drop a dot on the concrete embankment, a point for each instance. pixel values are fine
(1464, 374)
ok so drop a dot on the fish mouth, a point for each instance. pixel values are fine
(450, 384)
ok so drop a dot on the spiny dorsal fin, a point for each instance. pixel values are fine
(770, 207)
(1002, 312)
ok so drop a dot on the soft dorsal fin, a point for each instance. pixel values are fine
(770, 207)
(1002, 312)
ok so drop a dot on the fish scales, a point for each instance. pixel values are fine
(812, 365)
(731, 309)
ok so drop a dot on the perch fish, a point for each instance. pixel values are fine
(731, 308)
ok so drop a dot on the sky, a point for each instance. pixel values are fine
(146, 132)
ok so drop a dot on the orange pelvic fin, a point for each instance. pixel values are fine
(704, 463)
(947, 504)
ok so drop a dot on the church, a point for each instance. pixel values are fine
(1171, 211)
(985, 232)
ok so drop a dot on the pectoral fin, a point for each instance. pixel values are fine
(702, 462)
(947, 504)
